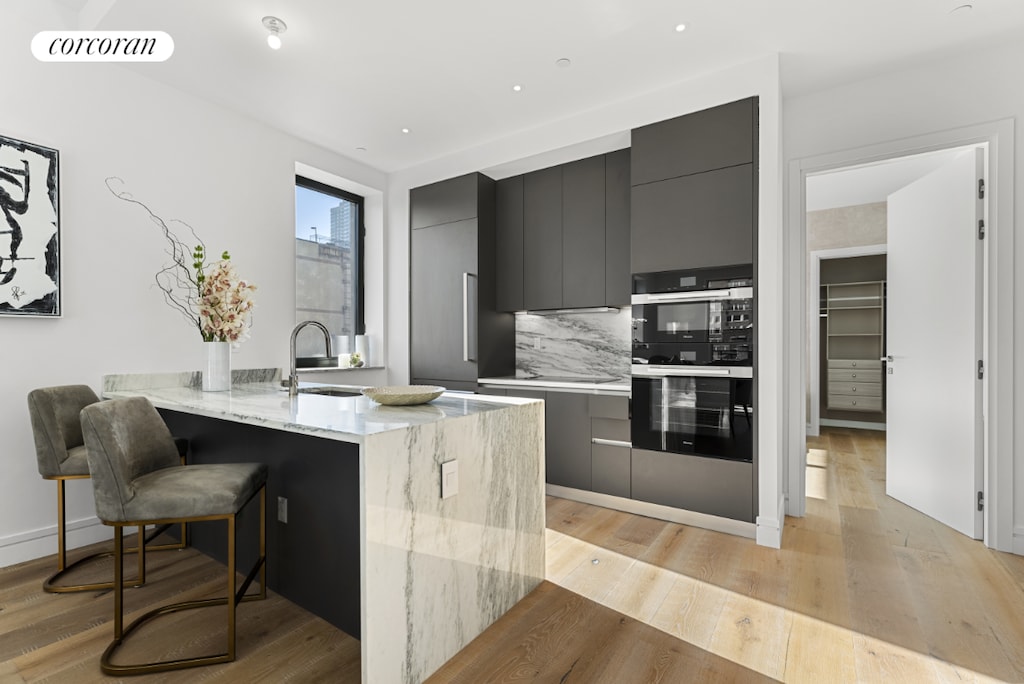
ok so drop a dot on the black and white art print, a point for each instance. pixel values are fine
(29, 229)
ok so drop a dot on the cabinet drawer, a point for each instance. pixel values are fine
(607, 428)
(854, 375)
(866, 364)
(850, 403)
(869, 389)
(603, 406)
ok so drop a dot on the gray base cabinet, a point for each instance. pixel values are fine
(568, 440)
(705, 485)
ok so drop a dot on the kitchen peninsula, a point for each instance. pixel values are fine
(358, 532)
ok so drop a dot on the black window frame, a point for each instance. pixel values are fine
(360, 239)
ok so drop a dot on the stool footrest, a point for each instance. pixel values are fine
(178, 663)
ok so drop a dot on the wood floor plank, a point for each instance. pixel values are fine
(941, 600)
(691, 611)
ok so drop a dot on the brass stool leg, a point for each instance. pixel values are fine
(235, 595)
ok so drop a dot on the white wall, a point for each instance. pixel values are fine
(607, 124)
(951, 94)
(229, 177)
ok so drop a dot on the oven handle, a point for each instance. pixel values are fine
(704, 295)
(675, 371)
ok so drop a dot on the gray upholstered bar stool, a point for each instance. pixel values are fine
(138, 480)
(60, 453)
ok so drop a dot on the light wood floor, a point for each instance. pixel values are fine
(864, 590)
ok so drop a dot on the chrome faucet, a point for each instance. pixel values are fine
(293, 376)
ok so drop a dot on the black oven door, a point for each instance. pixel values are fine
(674, 322)
(699, 415)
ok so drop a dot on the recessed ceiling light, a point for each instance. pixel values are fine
(563, 62)
(680, 28)
(964, 8)
(360, 149)
(275, 28)
(405, 130)
(517, 88)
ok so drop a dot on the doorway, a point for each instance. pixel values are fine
(998, 428)
(924, 208)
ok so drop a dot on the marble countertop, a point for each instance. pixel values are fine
(346, 419)
(615, 387)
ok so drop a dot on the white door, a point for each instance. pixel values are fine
(934, 342)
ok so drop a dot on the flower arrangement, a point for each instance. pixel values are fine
(210, 296)
(224, 302)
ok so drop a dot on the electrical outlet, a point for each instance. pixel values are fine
(282, 509)
(449, 479)
(536, 343)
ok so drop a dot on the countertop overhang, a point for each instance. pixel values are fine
(346, 419)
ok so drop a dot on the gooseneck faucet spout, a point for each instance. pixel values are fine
(293, 376)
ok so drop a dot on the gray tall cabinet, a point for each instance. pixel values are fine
(456, 333)
(694, 190)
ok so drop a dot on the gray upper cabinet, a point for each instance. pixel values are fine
(583, 233)
(456, 333)
(542, 239)
(444, 202)
(705, 219)
(710, 139)
(510, 244)
(563, 236)
(616, 229)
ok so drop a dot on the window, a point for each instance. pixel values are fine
(329, 234)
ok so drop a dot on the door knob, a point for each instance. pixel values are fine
(886, 358)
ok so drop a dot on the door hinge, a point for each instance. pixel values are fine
(981, 229)
(981, 188)
(981, 369)
(981, 501)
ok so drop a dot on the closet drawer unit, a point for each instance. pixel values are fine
(862, 389)
(865, 364)
(854, 375)
(847, 402)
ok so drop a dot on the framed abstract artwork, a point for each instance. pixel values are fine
(29, 229)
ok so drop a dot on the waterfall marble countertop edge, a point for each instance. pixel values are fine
(346, 419)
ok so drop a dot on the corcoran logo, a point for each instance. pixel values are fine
(102, 46)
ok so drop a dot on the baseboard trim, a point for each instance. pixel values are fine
(769, 530)
(650, 510)
(33, 544)
(855, 424)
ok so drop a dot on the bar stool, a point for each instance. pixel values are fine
(138, 480)
(60, 453)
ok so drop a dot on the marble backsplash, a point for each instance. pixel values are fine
(574, 344)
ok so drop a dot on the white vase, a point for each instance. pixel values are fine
(217, 376)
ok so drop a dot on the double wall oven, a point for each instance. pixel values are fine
(692, 370)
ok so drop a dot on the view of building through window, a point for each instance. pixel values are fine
(328, 263)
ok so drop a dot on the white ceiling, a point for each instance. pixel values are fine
(353, 74)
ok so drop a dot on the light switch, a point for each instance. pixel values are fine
(449, 479)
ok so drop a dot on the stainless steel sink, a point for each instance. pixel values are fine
(330, 391)
(316, 362)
